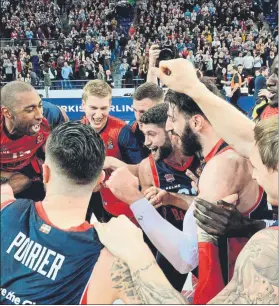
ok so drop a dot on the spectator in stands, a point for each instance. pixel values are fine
(66, 73)
(260, 81)
(248, 63)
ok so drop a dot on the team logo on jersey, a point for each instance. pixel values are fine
(45, 228)
(40, 138)
(169, 178)
(110, 144)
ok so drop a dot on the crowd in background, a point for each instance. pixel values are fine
(214, 35)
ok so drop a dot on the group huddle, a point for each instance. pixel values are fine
(98, 210)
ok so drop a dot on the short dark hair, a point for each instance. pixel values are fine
(234, 68)
(263, 68)
(240, 65)
(186, 104)
(149, 91)
(78, 151)
(156, 115)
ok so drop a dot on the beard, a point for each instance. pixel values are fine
(165, 150)
(190, 142)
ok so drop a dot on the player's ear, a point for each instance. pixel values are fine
(101, 177)
(83, 105)
(46, 173)
(6, 112)
(197, 123)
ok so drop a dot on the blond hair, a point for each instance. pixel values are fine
(96, 88)
(266, 137)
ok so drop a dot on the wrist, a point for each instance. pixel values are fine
(135, 196)
(198, 92)
(140, 257)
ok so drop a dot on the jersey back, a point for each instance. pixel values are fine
(41, 264)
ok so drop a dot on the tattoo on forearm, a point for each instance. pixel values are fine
(122, 281)
(152, 293)
(255, 279)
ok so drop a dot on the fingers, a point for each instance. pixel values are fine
(209, 230)
(230, 200)
(209, 218)
(207, 208)
(225, 205)
(158, 205)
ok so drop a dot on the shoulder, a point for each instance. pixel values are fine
(116, 123)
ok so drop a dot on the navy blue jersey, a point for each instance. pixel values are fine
(41, 264)
(53, 114)
(140, 138)
(174, 180)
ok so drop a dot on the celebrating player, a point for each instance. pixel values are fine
(24, 131)
(118, 137)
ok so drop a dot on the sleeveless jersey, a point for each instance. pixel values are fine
(17, 154)
(41, 264)
(229, 248)
(110, 135)
(174, 180)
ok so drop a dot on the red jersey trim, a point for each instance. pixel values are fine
(182, 168)
(215, 149)
(7, 203)
(154, 172)
(260, 196)
(41, 212)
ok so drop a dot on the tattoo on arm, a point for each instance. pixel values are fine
(153, 292)
(122, 281)
(255, 279)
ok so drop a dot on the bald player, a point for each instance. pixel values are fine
(59, 259)
(24, 131)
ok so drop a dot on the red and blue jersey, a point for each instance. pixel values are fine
(16, 154)
(120, 143)
(173, 179)
(229, 248)
(41, 264)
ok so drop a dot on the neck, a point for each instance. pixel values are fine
(208, 140)
(66, 208)
(177, 158)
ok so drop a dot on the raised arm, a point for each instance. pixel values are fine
(228, 122)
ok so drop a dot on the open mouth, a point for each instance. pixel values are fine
(153, 150)
(36, 128)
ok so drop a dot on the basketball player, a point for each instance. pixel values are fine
(259, 143)
(261, 146)
(59, 259)
(118, 137)
(188, 122)
(145, 97)
(165, 169)
(24, 131)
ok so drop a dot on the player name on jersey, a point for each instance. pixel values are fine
(36, 257)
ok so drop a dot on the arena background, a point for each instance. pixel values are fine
(70, 101)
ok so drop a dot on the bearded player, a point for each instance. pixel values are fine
(165, 169)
